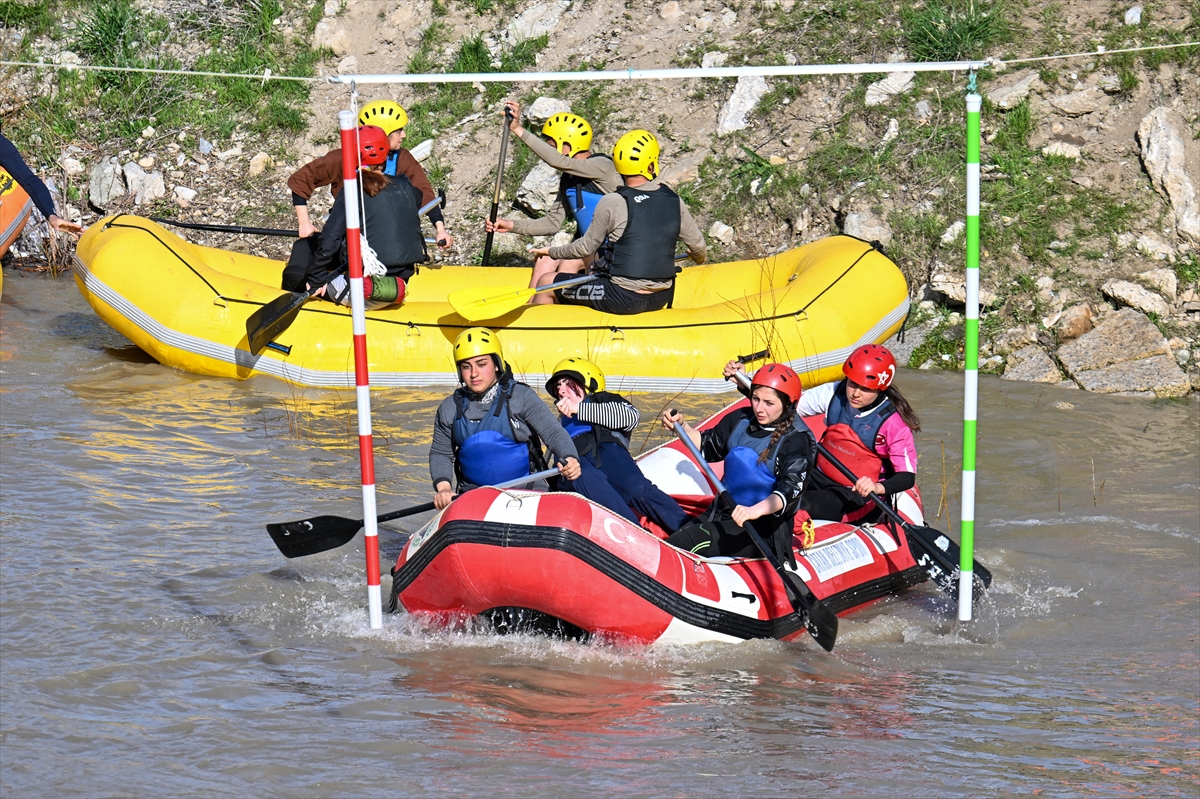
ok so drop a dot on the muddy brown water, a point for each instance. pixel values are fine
(155, 643)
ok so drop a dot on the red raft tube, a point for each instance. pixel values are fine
(559, 563)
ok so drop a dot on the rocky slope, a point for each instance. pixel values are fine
(1091, 195)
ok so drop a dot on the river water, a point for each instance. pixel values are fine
(155, 643)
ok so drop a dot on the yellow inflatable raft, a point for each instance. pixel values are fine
(187, 305)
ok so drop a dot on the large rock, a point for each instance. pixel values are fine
(1165, 156)
(746, 94)
(1032, 365)
(867, 226)
(537, 192)
(332, 34)
(422, 150)
(107, 183)
(722, 233)
(536, 20)
(1075, 321)
(543, 108)
(883, 91)
(1164, 281)
(1155, 248)
(1018, 338)
(144, 186)
(1010, 96)
(1124, 353)
(954, 286)
(1081, 102)
(1134, 296)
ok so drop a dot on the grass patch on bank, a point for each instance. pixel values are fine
(117, 106)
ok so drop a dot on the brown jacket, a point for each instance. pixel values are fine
(327, 171)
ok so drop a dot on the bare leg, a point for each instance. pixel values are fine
(544, 270)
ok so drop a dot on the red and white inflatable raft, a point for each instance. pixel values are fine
(559, 562)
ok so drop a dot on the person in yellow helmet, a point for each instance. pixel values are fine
(488, 430)
(633, 235)
(327, 171)
(566, 145)
(600, 423)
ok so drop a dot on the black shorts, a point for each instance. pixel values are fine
(604, 295)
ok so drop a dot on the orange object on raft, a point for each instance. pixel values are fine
(15, 206)
(558, 562)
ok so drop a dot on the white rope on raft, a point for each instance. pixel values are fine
(618, 74)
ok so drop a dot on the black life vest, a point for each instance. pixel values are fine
(646, 250)
(392, 226)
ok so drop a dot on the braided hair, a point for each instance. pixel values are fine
(782, 427)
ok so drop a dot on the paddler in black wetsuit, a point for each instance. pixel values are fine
(633, 234)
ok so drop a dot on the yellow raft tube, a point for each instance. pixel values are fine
(186, 305)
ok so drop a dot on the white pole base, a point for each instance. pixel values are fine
(966, 590)
(375, 604)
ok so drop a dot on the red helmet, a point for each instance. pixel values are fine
(372, 145)
(779, 377)
(871, 366)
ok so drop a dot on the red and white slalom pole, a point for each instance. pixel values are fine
(362, 383)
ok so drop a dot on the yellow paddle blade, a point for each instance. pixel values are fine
(486, 302)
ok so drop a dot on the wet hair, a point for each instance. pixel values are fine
(373, 182)
(783, 425)
(903, 408)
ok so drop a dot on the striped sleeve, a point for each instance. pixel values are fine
(617, 414)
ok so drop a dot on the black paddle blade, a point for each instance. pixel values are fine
(310, 536)
(820, 621)
(269, 321)
(939, 555)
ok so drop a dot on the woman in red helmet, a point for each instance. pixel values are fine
(390, 226)
(869, 427)
(767, 460)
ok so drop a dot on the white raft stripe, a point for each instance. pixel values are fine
(882, 539)
(680, 632)
(269, 364)
(838, 556)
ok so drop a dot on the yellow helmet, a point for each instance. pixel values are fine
(384, 114)
(636, 153)
(571, 130)
(587, 373)
(476, 341)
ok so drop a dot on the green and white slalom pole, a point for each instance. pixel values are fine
(966, 582)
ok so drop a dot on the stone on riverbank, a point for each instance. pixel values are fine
(1032, 365)
(1124, 353)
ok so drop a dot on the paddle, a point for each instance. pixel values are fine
(487, 244)
(483, 302)
(822, 624)
(322, 533)
(934, 549)
(248, 231)
(268, 322)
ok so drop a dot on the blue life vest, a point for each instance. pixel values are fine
(485, 451)
(866, 427)
(747, 480)
(574, 427)
(581, 197)
(389, 166)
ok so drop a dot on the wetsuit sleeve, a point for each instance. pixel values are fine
(441, 449)
(609, 410)
(689, 233)
(411, 168)
(600, 170)
(900, 481)
(548, 224)
(815, 401)
(323, 171)
(714, 442)
(526, 405)
(327, 258)
(791, 471)
(608, 221)
(15, 165)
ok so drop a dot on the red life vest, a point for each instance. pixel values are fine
(847, 447)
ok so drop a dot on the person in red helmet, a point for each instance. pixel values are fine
(869, 427)
(767, 462)
(393, 242)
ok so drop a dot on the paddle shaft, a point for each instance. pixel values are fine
(821, 623)
(487, 244)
